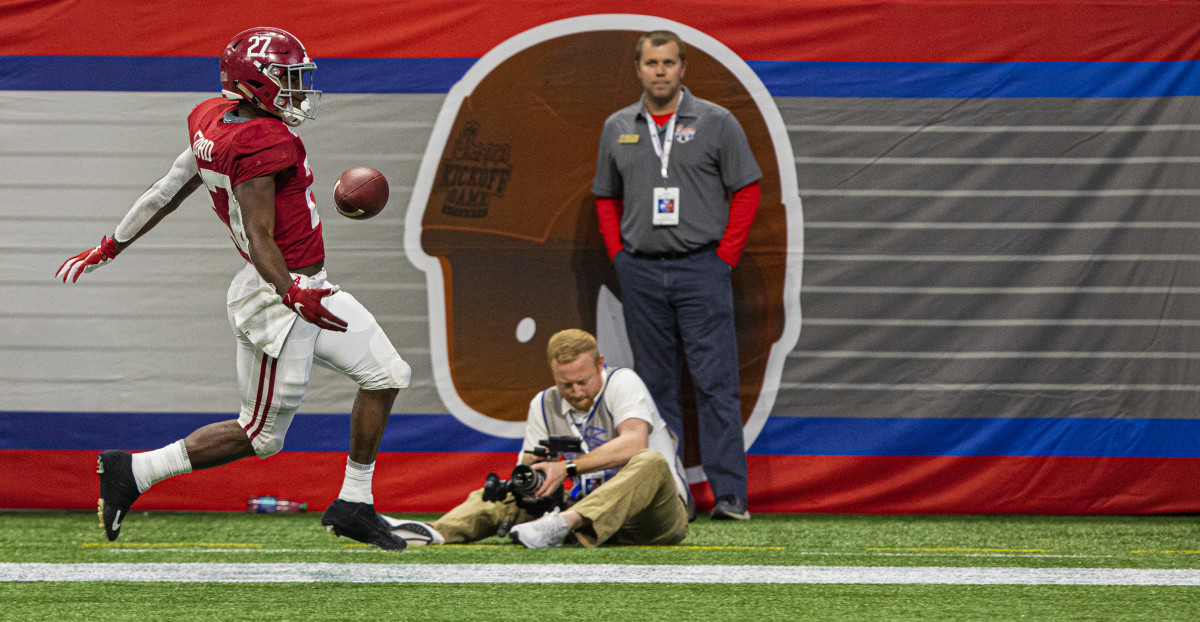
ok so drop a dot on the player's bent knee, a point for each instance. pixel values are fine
(392, 372)
(399, 372)
(265, 448)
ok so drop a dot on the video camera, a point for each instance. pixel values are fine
(525, 481)
(555, 446)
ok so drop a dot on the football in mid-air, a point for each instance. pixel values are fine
(360, 193)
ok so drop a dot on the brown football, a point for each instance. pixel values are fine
(360, 193)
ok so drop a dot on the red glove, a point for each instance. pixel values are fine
(307, 304)
(88, 260)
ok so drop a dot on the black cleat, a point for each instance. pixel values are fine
(730, 507)
(359, 521)
(118, 490)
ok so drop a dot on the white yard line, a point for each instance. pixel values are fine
(588, 573)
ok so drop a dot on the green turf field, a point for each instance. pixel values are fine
(938, 549)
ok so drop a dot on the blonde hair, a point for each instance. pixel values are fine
(567, 345)
(661, 37)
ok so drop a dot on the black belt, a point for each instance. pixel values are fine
(711, 246)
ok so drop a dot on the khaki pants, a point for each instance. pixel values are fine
(639, 505)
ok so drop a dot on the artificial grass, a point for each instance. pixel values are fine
(768, 539)
(826, 540)
(348, 601)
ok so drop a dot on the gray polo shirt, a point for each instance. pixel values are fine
(709, 159)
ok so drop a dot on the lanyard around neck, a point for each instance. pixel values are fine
(663, 148)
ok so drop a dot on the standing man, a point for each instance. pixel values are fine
(676, 191)
(255, 168)
(628, 483)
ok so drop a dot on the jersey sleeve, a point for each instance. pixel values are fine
(264, 150)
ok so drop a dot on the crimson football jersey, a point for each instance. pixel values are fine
(230, 149)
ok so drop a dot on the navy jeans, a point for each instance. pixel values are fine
(685, 306)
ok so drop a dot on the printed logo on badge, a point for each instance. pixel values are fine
(627, 139)
(666, 207)
(684, 134)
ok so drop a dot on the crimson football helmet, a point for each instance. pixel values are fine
(269, 67)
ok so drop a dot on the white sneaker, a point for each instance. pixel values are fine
(414, 532)
(549, 531)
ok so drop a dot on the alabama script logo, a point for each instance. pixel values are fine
(503, 223)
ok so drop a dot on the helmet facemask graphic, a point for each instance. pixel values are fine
(295, 83)
(269, 68)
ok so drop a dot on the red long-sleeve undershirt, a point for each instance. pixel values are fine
(743, 206)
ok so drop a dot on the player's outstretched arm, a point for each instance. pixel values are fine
(159, 200)
(88, 260)
(257, 198)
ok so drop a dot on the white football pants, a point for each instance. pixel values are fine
(271, 389)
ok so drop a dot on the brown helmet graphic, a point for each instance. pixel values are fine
(503, 222)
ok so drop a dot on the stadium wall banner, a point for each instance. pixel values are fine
(970, 285)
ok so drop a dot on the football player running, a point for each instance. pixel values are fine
(280, 306)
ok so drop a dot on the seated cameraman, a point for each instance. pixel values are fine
(626, 446)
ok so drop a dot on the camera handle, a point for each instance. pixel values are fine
(554, 446)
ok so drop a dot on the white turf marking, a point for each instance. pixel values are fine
(588, 573)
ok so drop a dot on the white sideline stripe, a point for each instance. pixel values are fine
(587, 573)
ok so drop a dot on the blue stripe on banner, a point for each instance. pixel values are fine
(794, 436)
(782, 78)
(1068, 437)
(978, 80)
(391, 75)
(200, 75)
(109, 73)
(144, 431)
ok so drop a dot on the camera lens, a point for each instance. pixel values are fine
(526, 481)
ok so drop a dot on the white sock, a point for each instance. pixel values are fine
(357, 485)
(151, 467)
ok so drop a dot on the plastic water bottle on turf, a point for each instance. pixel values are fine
(272, 505)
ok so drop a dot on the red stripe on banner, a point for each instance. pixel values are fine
(831, 30)
(973, 485)
(436, 482)
(403, 482)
